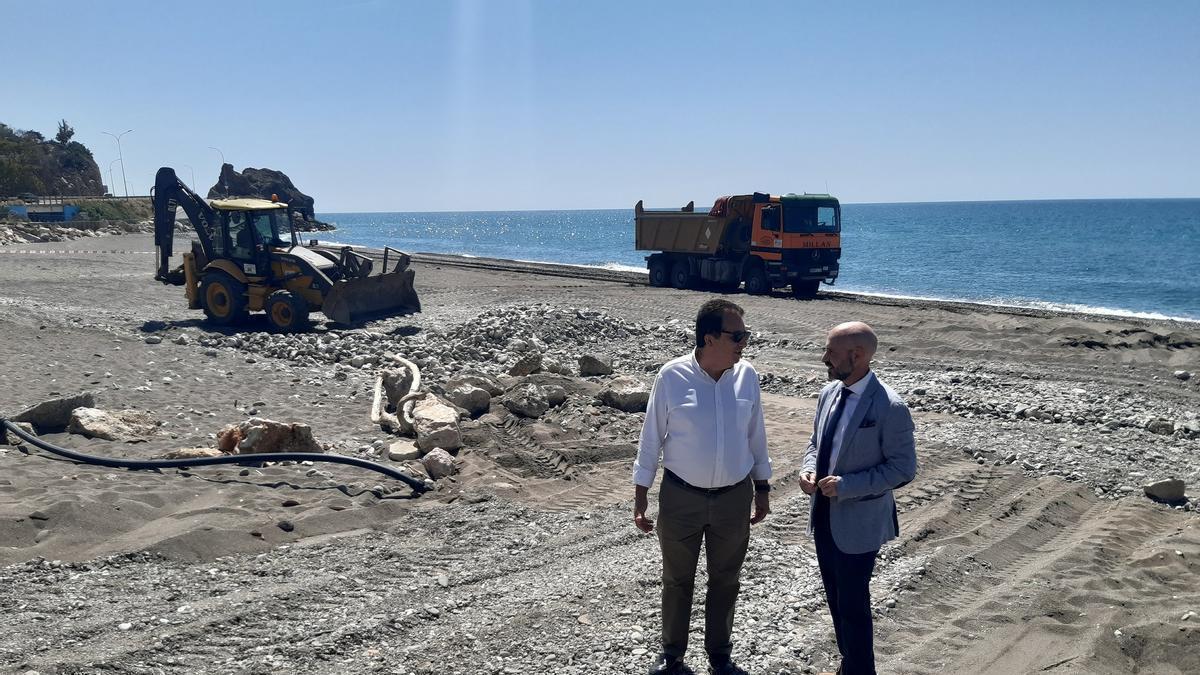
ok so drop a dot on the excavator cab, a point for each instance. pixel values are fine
(247, 257)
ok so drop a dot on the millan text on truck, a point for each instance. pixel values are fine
(766, 241)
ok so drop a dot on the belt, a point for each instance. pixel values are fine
(670, 475)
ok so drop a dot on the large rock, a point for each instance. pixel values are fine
(526, 365)
(54, 414)
(626, 394)
(261, 183)
(474, 400)
(594, 365)
(191, 453)
(439, 464)
(10, 438)
(396, 383)
(403, 451)
(526, 400)
(477, 379)
(266, 436)
(122, 425)
(1170, 490)
(1160, 426)
(436, 425)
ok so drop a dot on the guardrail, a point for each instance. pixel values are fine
(66, 199)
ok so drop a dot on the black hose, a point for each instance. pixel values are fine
(417, 486)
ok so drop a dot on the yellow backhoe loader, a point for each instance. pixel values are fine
(247, 258)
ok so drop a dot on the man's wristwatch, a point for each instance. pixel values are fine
(762, 487)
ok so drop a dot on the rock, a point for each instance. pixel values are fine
(123, 425)
(477, 379)
(396, 382)
(436, 425)
(153, 339)
(1170, 490)
(626, 394)
(526, 365)
(54, 414)
(438, 464)
(555, 366)
(10, 438)
(594, 365)
(526, 400)
(1183, 375)
(474, 400)
(555, 395)
(286, 525)
(260, 435)
(1160, 426)
(403, 451)
(262, 183)
(191, 453)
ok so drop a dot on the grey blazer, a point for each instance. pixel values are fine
(878, 454)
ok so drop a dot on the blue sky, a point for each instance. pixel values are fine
(523, 104)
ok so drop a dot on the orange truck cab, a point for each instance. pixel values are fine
(766, 241)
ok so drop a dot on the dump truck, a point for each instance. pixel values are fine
(247, 257)
(767, 241)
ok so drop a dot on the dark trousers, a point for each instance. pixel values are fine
(847, 580)
(685, 518)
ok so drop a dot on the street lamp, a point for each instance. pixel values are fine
(193, 185)
(110, 180)
(223, 185)
(121, 156)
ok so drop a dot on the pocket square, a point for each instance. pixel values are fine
(866, 424)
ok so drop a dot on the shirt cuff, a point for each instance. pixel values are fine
(643, 476)
(761, 471)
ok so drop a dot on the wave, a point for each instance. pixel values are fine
(1048, 305)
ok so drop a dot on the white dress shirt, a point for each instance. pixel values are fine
(708, 432)
(855, 392)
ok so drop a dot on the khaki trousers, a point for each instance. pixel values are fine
(685, 518)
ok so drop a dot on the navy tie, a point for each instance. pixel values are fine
(828, 432)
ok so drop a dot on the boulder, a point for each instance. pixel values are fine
(10, 438)
(526, 365)
(266, 436)
(556, 366)
(555, 395)
(54, 414)
(439, 464)
(526, 400)
(396, 382)
(626, 394)
(436, 425)
(477, 379)
(122, 425)
(261, 183)
(1170, 490)
(474, 400)
(594, 365)
(1160, 426)
(403, 451)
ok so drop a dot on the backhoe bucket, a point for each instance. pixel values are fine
(353, 300)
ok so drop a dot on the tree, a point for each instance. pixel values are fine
(65, 132)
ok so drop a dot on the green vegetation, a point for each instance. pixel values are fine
(128, 210)
(31, 164)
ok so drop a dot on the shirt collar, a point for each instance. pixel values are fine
(702, 371)
(861, 386)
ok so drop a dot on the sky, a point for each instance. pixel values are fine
(458, 105)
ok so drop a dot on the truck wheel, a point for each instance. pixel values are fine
(223, 298)
(658, 273)
(757, 282)
(681, 275)
(806, 289)
(286, 311)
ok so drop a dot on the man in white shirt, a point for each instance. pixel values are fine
(705, 421)
(861, 449)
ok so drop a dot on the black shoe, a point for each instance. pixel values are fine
(666, 664)
(725, 667)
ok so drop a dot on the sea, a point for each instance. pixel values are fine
(1126, 257)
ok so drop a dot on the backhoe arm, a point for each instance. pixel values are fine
(170, 193)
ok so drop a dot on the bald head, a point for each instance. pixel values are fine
(848, 351)
(856, 334)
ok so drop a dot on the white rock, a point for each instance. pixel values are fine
(436, 425)
(439, 464)
(123, 425)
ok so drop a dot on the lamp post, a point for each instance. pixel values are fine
(110, 180)
(193, 183)
(121, 156)
(223, 186)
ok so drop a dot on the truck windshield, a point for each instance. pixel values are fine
(271, 226)
(810, 218)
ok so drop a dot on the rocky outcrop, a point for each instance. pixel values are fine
(261, 183)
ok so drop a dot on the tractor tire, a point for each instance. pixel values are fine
(659, 275)
(287, 312)
(806, 290)
(681, 275)
(757, 282)
(223, 298)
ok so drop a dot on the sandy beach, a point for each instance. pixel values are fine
(1027, 543)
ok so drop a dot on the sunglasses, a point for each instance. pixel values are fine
(737, 335)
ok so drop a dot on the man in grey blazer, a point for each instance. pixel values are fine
(861, 449)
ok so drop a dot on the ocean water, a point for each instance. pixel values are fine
(1138, 257)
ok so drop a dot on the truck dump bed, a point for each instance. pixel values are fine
(678, 231)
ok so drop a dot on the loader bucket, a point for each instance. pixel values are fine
(353, 300)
